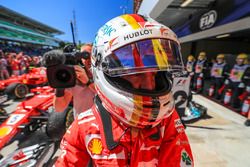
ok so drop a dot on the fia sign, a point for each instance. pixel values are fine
(208, 19)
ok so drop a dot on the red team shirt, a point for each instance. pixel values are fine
(137, 148)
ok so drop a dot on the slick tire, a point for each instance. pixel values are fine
(33, 138)
(57, 124)
(17, 90)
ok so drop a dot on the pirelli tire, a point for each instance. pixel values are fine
(17, 90)
(58, 123)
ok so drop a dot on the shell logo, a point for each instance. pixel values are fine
(4, 131)
(95, 146)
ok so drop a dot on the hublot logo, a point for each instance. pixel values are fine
(136, 34)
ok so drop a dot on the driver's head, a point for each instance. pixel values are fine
(134, 59)
(142, 81)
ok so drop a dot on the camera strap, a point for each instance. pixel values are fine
(106, 123)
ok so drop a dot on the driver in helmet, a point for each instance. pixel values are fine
(133, 121)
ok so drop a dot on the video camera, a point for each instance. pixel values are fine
(60, 66)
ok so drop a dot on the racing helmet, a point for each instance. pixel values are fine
(242, 58)
(129, 45)
(202, 56)
(191, 58)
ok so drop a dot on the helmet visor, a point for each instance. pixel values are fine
(144, 56)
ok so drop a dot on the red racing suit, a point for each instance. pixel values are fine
(165, 145)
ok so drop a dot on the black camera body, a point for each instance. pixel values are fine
(60, 66)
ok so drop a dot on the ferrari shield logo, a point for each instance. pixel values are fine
(95, 146)
(186, 161)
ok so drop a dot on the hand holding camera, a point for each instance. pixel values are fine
(81, 74)
(63, 67)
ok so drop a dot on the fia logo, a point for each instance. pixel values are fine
(208, 19)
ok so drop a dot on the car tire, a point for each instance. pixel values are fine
(17, 90)
(57, 124)
(36, 137)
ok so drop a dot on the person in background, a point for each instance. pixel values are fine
(15, 64)
(190, 66)
(219, 72)
(84, 88)
(238, 79)
(200, 72)
(133, 121)
(4, 74)
(22, 63)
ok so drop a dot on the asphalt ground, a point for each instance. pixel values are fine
(218, 140)
(221, 139)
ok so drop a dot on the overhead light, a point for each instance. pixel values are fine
(186, 3)
(223, 36)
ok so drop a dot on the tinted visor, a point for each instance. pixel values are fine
(144, 56)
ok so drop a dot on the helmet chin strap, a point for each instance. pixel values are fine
(107, 125)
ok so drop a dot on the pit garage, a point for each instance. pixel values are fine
(215, 27)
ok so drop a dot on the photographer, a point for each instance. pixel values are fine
(83, 89)
(82, 92)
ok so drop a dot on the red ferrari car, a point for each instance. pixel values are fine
(32, 114)
(19, 86)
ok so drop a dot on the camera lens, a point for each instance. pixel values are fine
(85, 55)
(63, 75)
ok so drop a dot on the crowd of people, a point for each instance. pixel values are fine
(16, 63)
(228, 84)
(26, 49)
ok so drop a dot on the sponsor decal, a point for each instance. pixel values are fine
(182, 142)
(108, 29)
(113, 42)
(96, 40)
(5, 131)
(178, 126)
(95, 146)
(85, 114)
(14, 118)
(177, 123)
(137, 34)
(185, 159)
(181, 82)
(19, 155)
(162, 30)
(208, 19)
